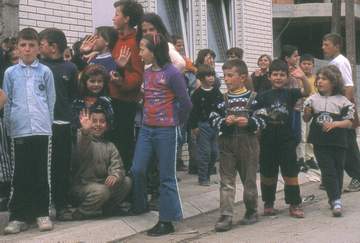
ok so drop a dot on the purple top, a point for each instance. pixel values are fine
(166, 102)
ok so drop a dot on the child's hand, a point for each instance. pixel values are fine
(111, 181)
(328, 126)
(229, 120)
(194, 132)
(298, 73)
(257, 72)
(308, 111)
(88, 44)
(241, 121)
(124, 57)
(85, 120)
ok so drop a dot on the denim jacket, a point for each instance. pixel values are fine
(31, 99)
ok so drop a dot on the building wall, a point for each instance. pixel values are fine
(253, 35)
(74, 17)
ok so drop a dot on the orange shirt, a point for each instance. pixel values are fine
(129, 90)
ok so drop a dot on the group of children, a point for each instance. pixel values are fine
(72, 135)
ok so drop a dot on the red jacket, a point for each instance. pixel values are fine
(129, 90)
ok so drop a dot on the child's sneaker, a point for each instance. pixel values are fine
(337, 208)
(44, 223)
(15, 227)
(354, 186)
(269, 209)
(250, 217)
(296, 211)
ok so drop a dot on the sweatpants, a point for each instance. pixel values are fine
(352, 161)
(30, 193)
(238, 154)
(91, 199)
(207, 150)
(331, 161)
(123, 133)
(161, 142)
(60, 167)
(272, 156)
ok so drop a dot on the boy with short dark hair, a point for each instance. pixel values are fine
(52, 46)
(99, 181)
(278, 142)
(28, 116)
(238, 143)
(204, 101)
(305, 150)
(234, 52)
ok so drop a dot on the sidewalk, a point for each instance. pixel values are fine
(196, 200)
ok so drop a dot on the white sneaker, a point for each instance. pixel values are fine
(15, 227)
(44, 223)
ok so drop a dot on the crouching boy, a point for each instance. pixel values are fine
(238, 144)
(99, 182)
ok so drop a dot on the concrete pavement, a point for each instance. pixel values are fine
(196, 200)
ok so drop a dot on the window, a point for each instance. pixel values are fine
(220, 23)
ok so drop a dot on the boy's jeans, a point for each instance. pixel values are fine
(161, 142)
(207, 150)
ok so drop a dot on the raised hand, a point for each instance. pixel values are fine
(124, 56)
(85, 120)
(88, 44)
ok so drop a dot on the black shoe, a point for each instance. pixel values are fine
(312, 164)
(161, 228)
(224, 223)
(250, 217)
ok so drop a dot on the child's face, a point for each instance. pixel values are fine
(95, 84)
(293, 60)
(264, 63)
(233, 79)
(278, 79)
(307, 66)
(99, 124)
(209, 60)
(146, 55)
(67, 55)
(324, 85)
(329, 49)
(28, 50)
(148, 28)
(208, 81)
(119, 20)
(46, 49)
(14, 55)
(179, 46)
(100, 43)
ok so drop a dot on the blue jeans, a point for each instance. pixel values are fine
(161, 142)
(207, 150)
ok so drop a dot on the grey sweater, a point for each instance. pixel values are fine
(94, 159)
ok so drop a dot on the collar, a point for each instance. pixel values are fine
(103, 55)
(209, 89)
(239, 91)
(33, 65)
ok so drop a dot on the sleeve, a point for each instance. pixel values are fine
(194, 118)
(51, 95)
(217, 117)
(348, 110)
(255, 122)
(83, 139)
(176, 59)
(177, 85)
(7, 87)
(346, 74)
(116, 167)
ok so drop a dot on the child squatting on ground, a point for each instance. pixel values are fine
(332, 114)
